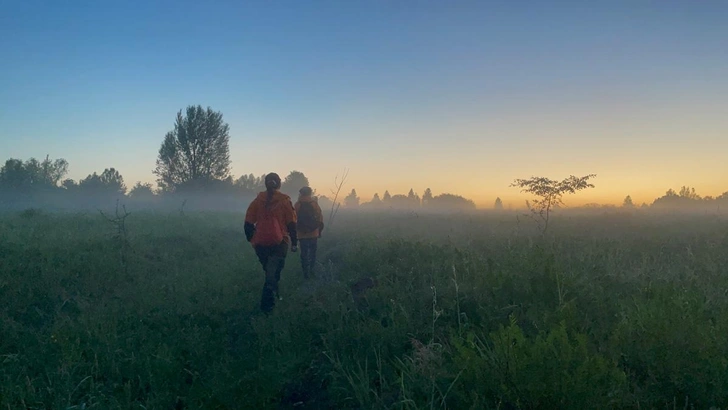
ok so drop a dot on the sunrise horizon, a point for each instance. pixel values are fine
(461, 99)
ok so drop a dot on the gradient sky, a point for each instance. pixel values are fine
(458, 96)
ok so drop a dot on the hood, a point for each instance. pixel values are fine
(278, 196)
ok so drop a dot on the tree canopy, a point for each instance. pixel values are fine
(294, 181)
(110, 183)
(352, 200)
(498, 206)
(32, 174)
(197, 149)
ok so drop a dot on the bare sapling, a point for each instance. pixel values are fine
(119, 222)
(549, 195)
(338, 185)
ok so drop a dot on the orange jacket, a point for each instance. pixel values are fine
(282, 208)
(317, 214)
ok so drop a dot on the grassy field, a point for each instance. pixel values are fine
(607, 311)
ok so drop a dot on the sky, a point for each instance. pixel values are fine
(458, 96)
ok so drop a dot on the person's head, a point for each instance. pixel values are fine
(272, 182)
(305, 191)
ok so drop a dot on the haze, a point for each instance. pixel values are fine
(460, 98)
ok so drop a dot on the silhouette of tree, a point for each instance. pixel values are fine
(427, 197)
(46, 173)
(414, 199)
(550, 193)
(293, 182)
(498, 206)
(13, 175)
(689, 193)
(400, 201)
(197, 149)
(376, 201)
(141, 191)
(33, 174)
(251, 183)
(686, 197)
(110, 182)
(628, 202)
(324, 201)
(69, 184)
(387, 198)
(451, 202)
(352, 200)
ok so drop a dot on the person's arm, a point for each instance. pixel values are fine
(319, 217)
(290, 217)
(250, 220)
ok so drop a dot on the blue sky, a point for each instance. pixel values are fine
(456, 96)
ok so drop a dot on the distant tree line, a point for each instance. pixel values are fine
(411, 201)
(684, 199)
(193, 169)
(34, 183)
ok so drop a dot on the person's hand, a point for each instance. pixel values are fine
(294, 248)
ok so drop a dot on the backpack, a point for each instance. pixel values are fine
(268, 230)
(307, 222)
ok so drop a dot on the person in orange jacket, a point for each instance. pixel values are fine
(310, 224)
(270, 226)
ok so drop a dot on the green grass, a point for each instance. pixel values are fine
(608, 311)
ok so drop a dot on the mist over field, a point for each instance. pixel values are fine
(468, 310)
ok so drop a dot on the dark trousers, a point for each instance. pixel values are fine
(308, 255)
(273, 259)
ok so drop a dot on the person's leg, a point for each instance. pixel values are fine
(312, 257)
(267, 299)
(302, 249)
(277, 262)
(305, 256)
(262, 253)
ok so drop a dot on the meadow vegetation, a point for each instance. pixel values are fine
(479, 310)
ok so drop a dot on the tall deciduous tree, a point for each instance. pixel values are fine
(141, 191)
(197, 149)
(251, 183)
(13, 175)
(16, 174)
(687, 192)
(110, 182)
